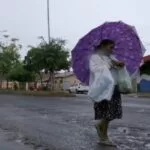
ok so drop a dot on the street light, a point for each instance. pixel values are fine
(48, 21)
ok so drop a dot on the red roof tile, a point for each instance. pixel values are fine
(147, 58)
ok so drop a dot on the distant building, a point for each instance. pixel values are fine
(64, 80)
(144, 85)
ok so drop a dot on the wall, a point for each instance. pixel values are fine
(63, 83)
(10, 85)
(134, 85)
(71, 79)
(145, 83)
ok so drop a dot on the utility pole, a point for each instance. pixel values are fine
(48, 21)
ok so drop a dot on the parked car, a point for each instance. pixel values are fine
(79, 88)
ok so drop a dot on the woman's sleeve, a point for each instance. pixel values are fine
(96, 64)
(101, 80)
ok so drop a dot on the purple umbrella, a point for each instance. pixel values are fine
(128, 49)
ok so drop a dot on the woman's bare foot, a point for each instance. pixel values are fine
(107, 143)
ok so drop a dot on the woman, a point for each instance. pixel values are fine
(103, 88)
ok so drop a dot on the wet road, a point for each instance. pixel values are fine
(36, 123)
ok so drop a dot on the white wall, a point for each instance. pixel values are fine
(145, 77)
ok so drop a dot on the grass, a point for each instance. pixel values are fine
(37, 93)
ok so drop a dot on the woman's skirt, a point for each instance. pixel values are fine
(109, 110)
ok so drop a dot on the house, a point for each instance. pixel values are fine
(64, 80)
(144, 85)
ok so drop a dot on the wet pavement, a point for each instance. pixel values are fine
(40, 123)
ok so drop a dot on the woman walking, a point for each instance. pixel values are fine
(104, 90)
(93, 64)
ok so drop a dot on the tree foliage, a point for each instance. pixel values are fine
(55, 55)
(145, 69)
(20, 74)
(9, 55)
(48, 57)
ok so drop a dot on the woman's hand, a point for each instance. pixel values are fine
(118, 63)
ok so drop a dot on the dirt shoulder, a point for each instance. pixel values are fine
(38, 93)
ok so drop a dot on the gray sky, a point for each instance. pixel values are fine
(70, 19)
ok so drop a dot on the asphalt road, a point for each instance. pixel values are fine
(40, 123)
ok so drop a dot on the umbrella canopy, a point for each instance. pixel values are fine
(128, 47)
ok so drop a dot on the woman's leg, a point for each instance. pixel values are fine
(105, 128)
(102, 129)
(104, 139)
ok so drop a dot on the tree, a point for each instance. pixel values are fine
(8, 57)
(55, 55)
(49, 57)
(145, 68)
(55, 58)
(20, 74)
(9, 54)
(34, 61)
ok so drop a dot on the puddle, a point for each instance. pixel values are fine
(18, 141)
(124, 130)
(147, 146)
(131, 138)
(19, 138)
(141, 111)
(148, 134)
(45, 116)
(124, 147)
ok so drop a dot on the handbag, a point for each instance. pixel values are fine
(124, 81)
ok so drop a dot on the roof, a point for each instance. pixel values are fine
(147, 58)
(58, 75)
(65, 74)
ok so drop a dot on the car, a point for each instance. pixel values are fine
(79, 88)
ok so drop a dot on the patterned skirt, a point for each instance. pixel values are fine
(109, 110)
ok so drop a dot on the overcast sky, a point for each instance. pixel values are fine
(71, 19)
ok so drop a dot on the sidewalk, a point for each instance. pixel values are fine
(143, 95)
